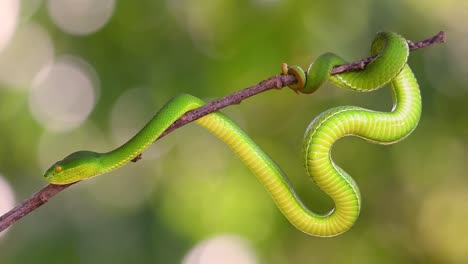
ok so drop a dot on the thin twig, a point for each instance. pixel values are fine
(274, 82)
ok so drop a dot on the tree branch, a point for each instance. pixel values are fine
(274, 82)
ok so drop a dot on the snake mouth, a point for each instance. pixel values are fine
(48, 175)
(58, 182)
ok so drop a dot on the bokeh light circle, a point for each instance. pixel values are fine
(226, 249)
(64, 94)
(7, 198)
(29, 51)
(9, 10)
(80, 17)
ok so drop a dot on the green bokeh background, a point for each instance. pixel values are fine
(189, 187)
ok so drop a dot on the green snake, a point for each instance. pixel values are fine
(389, 66)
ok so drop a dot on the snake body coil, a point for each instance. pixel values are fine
(378, 127)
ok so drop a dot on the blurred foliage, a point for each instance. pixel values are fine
(190, 187)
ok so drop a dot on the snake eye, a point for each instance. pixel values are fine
(58, 169)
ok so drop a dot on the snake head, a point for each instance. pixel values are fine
(75, 167)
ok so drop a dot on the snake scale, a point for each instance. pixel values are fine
(389, 67)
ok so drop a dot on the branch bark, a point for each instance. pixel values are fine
(274, 82)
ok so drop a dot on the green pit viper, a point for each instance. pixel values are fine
(389, 67)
